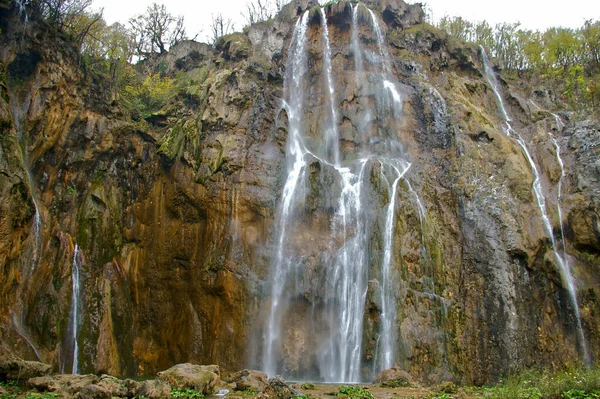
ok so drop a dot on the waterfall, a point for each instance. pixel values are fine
(356, 50)
(74, 318)
(23, 333)
(21, 7)
(331, 134)
(388, 297)
(335, 304)
(296, 167)
(561, 259)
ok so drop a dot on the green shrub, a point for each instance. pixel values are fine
(354, 392)
(185, 393)
(150, 94)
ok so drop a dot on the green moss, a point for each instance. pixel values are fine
(174, 142)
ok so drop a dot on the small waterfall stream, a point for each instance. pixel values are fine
(561, 259)
(74, 313)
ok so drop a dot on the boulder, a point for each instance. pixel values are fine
(277, 388)
(154, 389)
(70, 384)
(201, 378)
(252, 380)
(132, 387)
(115, 386)
(17, 369)
(394, 377)
(94, 391)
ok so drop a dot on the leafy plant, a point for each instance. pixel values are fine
(185, 393)
(354, 392)
(580, 394)
(150, 94)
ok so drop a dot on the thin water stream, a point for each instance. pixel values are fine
(561, 259)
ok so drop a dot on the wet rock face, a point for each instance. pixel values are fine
(175, 220)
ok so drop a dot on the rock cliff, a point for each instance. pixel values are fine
(175, 217)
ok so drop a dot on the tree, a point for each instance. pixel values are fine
(220, 27)
(108, 50)
(70, 17)
(261, 10)
(156, 30)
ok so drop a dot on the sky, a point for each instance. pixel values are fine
(532, 14)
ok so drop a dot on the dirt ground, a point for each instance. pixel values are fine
(329, 391)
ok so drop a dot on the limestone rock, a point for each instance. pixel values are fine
(94, 391)
(65, 383)
(16, 369)
(203, 379)
(253, 380)
(154, 389)
(394, 377)
(278, 389)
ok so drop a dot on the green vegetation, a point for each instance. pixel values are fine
(570, 384)
(566, 60)
(354, 392)
(149, 94)
(185, 393)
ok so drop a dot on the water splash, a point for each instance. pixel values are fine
(561, 259)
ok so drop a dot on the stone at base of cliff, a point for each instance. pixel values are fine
(201, 378)
(277, 388)
(154, 389)
(94, 391)
(16, 369)
(66, 383)
(250, 380)
(394, 377)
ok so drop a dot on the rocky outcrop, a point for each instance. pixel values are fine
(203, 379)
(17, 369)
(249, 380)
(394, 377)
(174, 217)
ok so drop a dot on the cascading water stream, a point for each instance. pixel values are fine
(75, 309)
(25, 335)
(18, 115)
(345, 265)
(388, 297)
(296, 165)
(331, 133)
(357, 51)
(562, 260)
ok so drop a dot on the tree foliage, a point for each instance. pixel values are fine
(70, 17)
(566, 59)
(156, 31)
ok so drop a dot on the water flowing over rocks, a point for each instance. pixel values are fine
(339, 196)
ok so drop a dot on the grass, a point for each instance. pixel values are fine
(570, 384)
(354, 392)
(185, 393)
